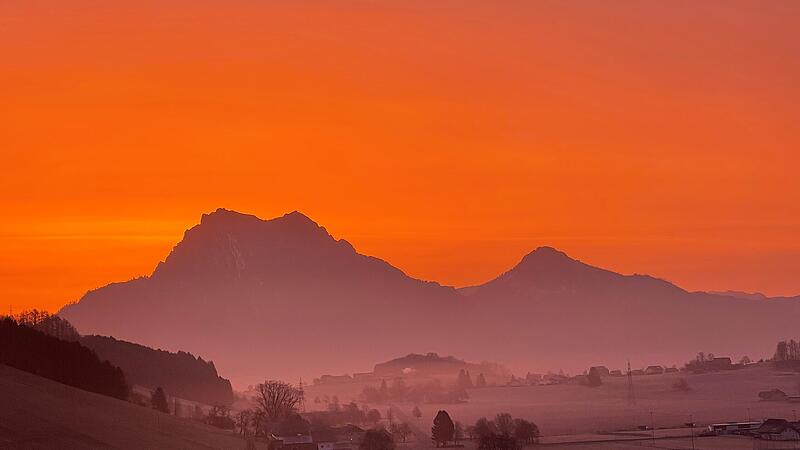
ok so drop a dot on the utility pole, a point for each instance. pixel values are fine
(302, 396)
(691, 424)
(631, 395)
(653, 428)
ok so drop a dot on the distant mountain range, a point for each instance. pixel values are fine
(283, 298)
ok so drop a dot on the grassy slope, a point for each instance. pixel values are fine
(43, 414)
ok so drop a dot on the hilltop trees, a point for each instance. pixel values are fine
(443, 430)
(48, 324)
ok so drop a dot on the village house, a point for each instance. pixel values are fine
(363, 376)
(600, 370)
(331, 379)
(654, 370)
(778, 430)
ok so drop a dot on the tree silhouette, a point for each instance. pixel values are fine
(158, 399)
(481, 381)
(504, 423)
(416, 412)
(504, 433)
(403, 431)
(464, 380)
(374, 416)
(458, 432)
(377, 439)
(384, 391)
(594, 379)
(220, 416)
(525, 432)
(277, 399)
(443, 429)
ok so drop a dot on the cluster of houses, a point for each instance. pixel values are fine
(337, 379)
(649, 370)
(533, 379)
(301, 437)
(767, 430)
(715, 364)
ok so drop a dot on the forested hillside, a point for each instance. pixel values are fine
(71, 363)
(180, 374)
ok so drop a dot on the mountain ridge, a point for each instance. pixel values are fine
(236, 278)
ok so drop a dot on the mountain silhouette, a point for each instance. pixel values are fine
(283, 298)
(576, 311)
(268, 298)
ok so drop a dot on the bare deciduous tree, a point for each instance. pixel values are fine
(277, 399)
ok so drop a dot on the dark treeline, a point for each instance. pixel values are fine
(503, 433)
(180, 374)
(48, 324)
(399, 391)
(787, 351)
(28, 349)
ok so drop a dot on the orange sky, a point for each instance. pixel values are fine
(447, 137)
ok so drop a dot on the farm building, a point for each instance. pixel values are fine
(778, 430)
(654, 370)
(774, 395)
(600, 370)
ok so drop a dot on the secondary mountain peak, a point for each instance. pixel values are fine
(548, 253)
(549, 260)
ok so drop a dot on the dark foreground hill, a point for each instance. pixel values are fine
(283, 298)
(180, 374)
(36, 413)
(71, 363)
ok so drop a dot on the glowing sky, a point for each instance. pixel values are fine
(447, 137)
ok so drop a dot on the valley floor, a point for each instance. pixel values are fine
(574, 410)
